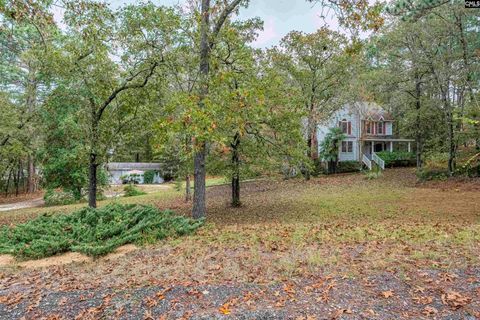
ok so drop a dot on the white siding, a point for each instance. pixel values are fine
(348, 115)
(349, 156)
(116, 177)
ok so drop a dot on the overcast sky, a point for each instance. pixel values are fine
(279, 16)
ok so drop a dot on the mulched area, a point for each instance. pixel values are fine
(428, 294)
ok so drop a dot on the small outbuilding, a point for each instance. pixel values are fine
(123, 172)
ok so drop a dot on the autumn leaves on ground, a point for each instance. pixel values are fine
(333, 247)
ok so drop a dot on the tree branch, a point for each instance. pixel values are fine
(126, 86)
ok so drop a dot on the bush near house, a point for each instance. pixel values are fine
(397, 158)
(93, 232)
(149, 176)
(132, 191)
(349, 166)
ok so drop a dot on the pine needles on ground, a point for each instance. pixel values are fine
(94, 232)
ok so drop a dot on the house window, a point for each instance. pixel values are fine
(345, 126)
(368, 125)
(381, 127)
(347, 146)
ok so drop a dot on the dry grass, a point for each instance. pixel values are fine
(285, 229)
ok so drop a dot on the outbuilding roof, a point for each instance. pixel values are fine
(129, 166)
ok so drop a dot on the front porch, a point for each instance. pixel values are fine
(370, 146)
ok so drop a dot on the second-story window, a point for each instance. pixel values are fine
(368, 125)
(346, 126)
(381, 128)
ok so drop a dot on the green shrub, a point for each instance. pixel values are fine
(472, 167)
(149, 176)
(348, 166)
(432, 174)
(397, 158)
(132, 191)
(93, 232)
(375, 173)
(58, 198)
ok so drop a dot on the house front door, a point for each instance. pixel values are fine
(379, 147)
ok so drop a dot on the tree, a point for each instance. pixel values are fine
(25, 80)
(258, 123)
(330, 147)
(316, 64)
(104, 87)
(429, 64)
(208, 37)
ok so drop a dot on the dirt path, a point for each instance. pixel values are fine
(33, 203)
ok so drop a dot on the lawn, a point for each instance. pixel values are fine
(340, 227)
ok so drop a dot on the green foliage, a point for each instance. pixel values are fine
(373, 174)
(349, 166)
(329, 147)
(426, 174)
(94, 232)
(149, 176)
(56, 198)
(472, 167)
(397, 158)
(132, 191)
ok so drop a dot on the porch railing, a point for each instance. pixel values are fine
(378, 160)
(367, 162)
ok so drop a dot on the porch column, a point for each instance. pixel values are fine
(391, 146)
(409, 147)
(373, 147)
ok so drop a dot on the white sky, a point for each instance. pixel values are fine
(279, 16)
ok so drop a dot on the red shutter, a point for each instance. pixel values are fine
(349, 128)
(374, 128)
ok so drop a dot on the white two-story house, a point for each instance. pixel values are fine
(368, 129)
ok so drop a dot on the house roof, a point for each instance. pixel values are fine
(372, 111)
(129, 166)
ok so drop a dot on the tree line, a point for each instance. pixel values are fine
(184, 85)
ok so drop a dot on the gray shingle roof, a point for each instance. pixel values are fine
(127, 166)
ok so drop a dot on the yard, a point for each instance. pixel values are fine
(334, 247)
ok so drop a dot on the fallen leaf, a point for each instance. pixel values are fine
(429, 311)
(387, 294)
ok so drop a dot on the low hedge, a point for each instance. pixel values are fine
(397, 158)
(93, 232)
(348, 166)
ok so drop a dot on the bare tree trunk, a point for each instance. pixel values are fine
(8, 180)
(31, 175)
(92, 190)
(206, 43)
(451, 146)
(236, 171)
(17, 178)
(199, 206)
(418, 133)
(199, 188)
(188, 189)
